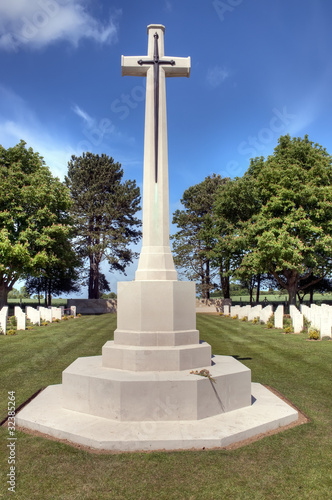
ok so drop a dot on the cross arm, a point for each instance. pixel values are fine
(180, 68)
(130, 67)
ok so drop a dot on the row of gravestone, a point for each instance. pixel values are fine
(36, 316)
(320, 317)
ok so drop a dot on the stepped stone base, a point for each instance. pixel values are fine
(46, 414)
(89, 387)
(156, 358)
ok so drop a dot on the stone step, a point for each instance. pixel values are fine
(89, 387)
(158, 358)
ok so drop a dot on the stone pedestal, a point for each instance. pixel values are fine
(148, 389)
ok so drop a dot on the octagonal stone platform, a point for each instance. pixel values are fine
(47, 415)
(156, 358)
(89, 387)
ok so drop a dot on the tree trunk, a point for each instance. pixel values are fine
(258, 287)
(93, 278)
(207, 275)
(292, 288)
(311, 296)
(224, 282)
(3, 295)
(292, 295)
(49, 294)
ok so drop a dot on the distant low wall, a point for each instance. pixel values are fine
(93, 306)
(212, 305)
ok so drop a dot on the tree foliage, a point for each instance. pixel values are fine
(103, 210)
(274, 224)
(33, 216)
(289, 232)
(193, 243)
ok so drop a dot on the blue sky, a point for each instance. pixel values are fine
(260, 69)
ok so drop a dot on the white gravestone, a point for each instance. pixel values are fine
(20, 318)
(279, 317)
(45, 313)
(3, 319)
(56, 313)
(266, 313)
(33, 315)
(254, 312)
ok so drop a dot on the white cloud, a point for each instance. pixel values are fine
(83, 114)
(38, 23)
(216, 76)
(18, 121)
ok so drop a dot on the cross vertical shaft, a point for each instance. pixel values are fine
(156, 261)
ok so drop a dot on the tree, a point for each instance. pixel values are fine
(22, 293)
(235, 203)
(33, 215)
(195, 239)
(292, 232)
(103, 211)
(60, 275)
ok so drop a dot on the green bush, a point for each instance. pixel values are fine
(235, 317)
(245, 318)
(11, 332)
(313, 334)
(289, 329)
(12, 322)
(255, 320)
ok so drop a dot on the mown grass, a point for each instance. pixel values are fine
(294, 464)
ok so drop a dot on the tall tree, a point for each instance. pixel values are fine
(235, 202)
(103, 210)
(194, 241)
(293, 229)
(33, 215)
(60, 275)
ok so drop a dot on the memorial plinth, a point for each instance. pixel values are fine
(142, 394)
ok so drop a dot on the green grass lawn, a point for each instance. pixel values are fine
(294, 464)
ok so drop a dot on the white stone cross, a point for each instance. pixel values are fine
(156, 261)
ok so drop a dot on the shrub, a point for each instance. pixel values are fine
(65, 318)
(220, 314)
(306, 324)
(287, 321)
(44, 323)
(255, 320)
(78, 315)
(313, 334)
(288, 329)
(11, 332)
(235, 317)
(245, 318)
(269, 324)
(12, 322)
(29, 327)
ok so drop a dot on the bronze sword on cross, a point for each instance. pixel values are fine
(156, 63)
